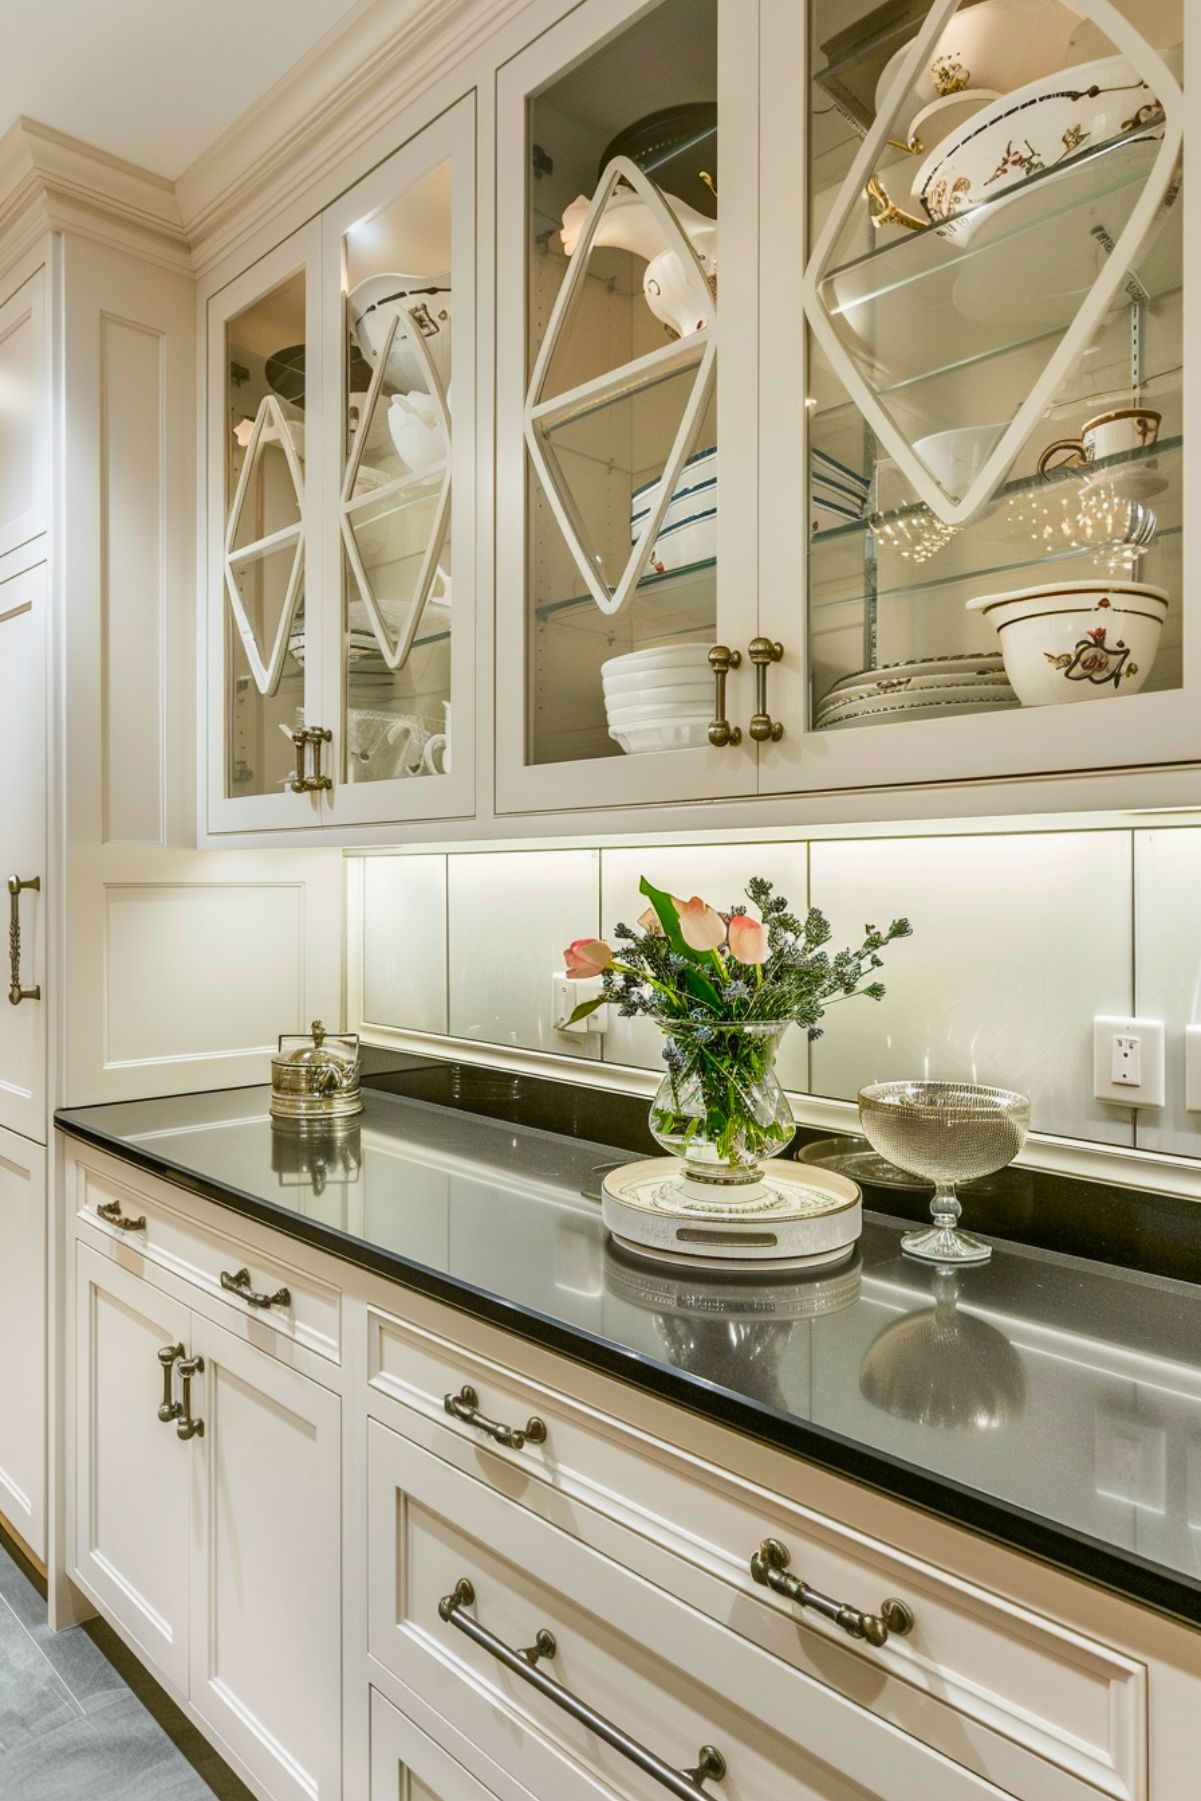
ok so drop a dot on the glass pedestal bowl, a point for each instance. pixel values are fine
(949, 1132)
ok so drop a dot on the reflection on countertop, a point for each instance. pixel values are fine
(1062, 1395)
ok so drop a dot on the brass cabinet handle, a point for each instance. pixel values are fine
(16, 887)
(763, 728)
(239, 1284)
(465, 1406)
(769, 1566)
(303, 738)
(688, 1785)
(187, 1427)
(170, 1409)
(721, 660)
(110, 1212)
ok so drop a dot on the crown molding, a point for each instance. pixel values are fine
(50, 181)
(382, 55)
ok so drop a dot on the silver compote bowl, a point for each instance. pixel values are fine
(949, 1132)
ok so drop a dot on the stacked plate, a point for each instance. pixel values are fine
(837, 494)
(688, 533)
(660, 698)
(924, 688)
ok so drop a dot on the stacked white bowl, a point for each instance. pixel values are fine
(660, 698)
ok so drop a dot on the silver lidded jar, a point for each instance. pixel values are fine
(315, 1078)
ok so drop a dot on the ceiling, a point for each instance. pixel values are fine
(153, 81)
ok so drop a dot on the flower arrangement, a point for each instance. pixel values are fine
(725, 987)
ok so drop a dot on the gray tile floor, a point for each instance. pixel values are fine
(79, 1717)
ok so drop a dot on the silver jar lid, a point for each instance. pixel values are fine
(316, 1075)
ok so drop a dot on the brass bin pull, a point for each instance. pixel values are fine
(170, 1409)
(16, 887)
(110, 1212)
(769, 1566)
(303, 738)
(465, 1406)
(721, 660)
(688, 1785)
(187, 1427)
(763, 728)
(239, 1284)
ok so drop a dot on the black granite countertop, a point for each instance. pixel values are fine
(1049, 1401)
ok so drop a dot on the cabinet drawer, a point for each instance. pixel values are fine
(407, 1765)
(311, 1312)
(1035, 1706)
(462, 1578)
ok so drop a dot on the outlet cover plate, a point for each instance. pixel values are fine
(1150, 1091)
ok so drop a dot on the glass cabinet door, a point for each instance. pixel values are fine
(399, 253)
(994, 419)
(618, 571)
(265, 761)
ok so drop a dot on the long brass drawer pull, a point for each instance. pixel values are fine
(769, 1566)
(170, 1409)
(722, 734)
(686, 1784)
(465, 1406)
(110, 1212)
(763, 652)
(239, 1284)
(17, 885)
(187, 1427)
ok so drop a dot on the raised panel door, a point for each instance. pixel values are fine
(23, 1338)
(266, 1566)
(131, 1496)
(407, 1765)
(23, 851)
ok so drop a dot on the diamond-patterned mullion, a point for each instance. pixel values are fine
(1150, 67)
(543, 412)
(395, 652)
(265, 671)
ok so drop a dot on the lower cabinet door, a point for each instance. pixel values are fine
(406, 1764)
(130, 1528)
(23, 1338)
(471, 1594)
(266, 1664)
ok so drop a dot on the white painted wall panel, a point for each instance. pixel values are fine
(404, 942)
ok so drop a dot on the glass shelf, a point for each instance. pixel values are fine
(675, 582)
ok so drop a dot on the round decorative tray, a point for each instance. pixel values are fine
(793, 1218)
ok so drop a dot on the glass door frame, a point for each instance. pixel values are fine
(284, 810)
(700, 774)
(449, 137)
(1156, 729)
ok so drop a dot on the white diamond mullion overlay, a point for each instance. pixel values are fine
(856, 305)
(270, 429)
(694, 348)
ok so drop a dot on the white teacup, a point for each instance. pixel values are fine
(1108, 435)
(436, 755)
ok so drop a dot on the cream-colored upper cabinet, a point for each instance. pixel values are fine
(989, 247)
(341, 488)
(627, 141)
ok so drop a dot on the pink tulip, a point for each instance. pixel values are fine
(748, 939)
(587, 957)
(702, 928)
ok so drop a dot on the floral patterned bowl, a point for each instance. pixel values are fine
(1076, 640)
(1029, 131)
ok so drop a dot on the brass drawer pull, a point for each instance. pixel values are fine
(170, 1409)
(304, 737)
(465, 1406)
(110, 1212)
(769, 1566)
(763, 728)
(721, 660)
(688, 1785)
(187, 1426)
(239, 1284)
(16, 887)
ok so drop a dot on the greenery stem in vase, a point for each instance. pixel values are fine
(724, 988)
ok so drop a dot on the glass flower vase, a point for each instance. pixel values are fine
(720, 1108)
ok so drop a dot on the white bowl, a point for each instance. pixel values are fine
(658, 656)
(1001, 44)
(637, 740)
(1076, 640)
(693, 540)
(955, 458)
(632, 683)
(1028, 131)
(682, 699)
(635, 718)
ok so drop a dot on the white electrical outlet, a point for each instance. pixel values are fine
(566, 994)
(1128, 1062)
